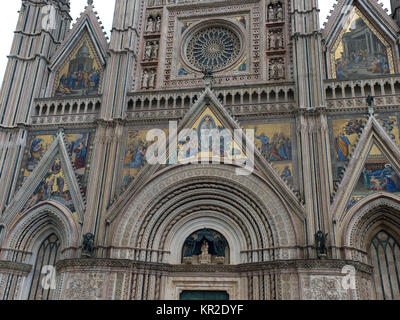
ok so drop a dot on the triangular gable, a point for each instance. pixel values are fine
(54, 164)
(373, 11)
(208, 105)
(53, 187)
(86, 23)
(209, 121)
(374, 142)
(378, 175)
(79, 144)
(87, 41)
(360, 22)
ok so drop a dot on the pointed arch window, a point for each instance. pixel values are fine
(47, 255)
(385, 258)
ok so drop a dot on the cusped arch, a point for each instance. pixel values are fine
(255, 219)
(46, 217)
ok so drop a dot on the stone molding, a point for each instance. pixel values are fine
(271, 266)
(15, 267)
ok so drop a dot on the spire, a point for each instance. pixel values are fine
(90, 2)
(395, 6)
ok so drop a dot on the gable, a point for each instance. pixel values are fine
(206, 113)
(360, 39)
(78, 64)
(54, 186)
(78, 143)
(81, 72)
(360, 50)
(378, 175)
(373, 167)
(227, 149)
(52, 179)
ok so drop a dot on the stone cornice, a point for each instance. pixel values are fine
(14, 267)
(272, 266)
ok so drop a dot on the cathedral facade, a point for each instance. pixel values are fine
(303, 204)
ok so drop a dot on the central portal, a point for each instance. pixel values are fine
(205, 295)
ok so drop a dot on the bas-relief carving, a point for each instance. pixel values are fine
(320, 287)
(276, 150)
(86, 286)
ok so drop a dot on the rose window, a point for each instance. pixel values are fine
(213, 48)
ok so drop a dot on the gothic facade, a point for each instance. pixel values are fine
(84, 215)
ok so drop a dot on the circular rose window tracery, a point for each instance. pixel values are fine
(213, 48)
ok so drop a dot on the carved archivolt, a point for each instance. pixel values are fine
(24, 231)
(373, 214)
(246, 210)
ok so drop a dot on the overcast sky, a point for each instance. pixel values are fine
(105, 9)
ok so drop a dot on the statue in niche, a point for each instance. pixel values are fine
(88, 248)
(321, 244)
(158, 23)
(153, 77)
(275, 12)
(145, 79)
(205, 247)
(281, 69)
(155, 47)
(271, 13)
(277, 69)
(278, 40)
(271, 43)
(150, 24)
(279, 12)
(148, 51)
(274, 70)
(205, 257)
